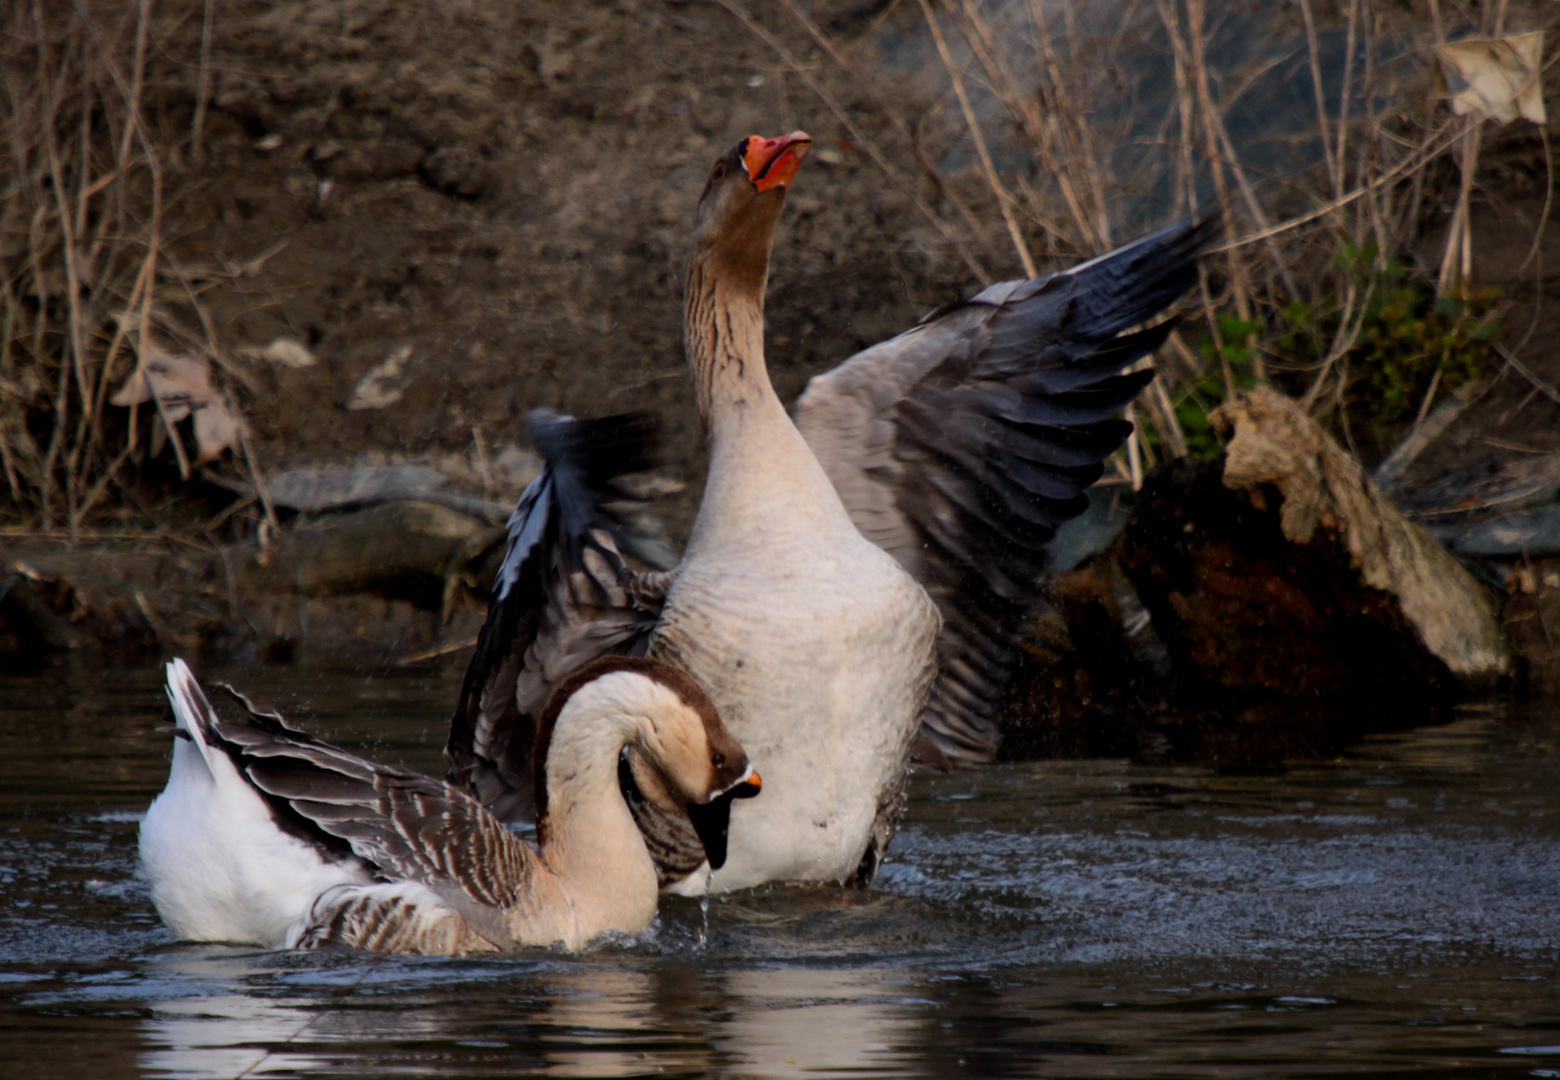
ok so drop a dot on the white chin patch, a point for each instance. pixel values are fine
(695, 884)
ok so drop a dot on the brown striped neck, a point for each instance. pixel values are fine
(724, 327)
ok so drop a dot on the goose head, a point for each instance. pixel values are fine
(668, 726)
(734, 227)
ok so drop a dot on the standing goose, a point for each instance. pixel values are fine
(265, 834)
(938, 464)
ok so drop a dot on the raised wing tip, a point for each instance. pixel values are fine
(1184, 239)
(544, 423)
(606, 445)
(1194, 236)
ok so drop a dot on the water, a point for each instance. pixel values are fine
(1391, 907)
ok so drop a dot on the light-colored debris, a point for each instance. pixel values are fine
(385, 384)
(181, 384)
(286, 351)
(217, 428)
(1324, 490)
(1498, 78)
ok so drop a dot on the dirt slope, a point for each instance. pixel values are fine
(506, 189)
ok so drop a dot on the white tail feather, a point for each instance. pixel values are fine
(191, 710)
(220, 867)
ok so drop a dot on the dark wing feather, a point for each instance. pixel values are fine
(564, 597)
(404, 826)
(961, 446)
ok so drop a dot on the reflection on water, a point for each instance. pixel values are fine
(803, 1021)
(1389, 906)
(567, 1020)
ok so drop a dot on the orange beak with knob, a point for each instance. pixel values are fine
(772, 163)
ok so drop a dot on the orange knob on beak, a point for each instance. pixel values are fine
(771, 163)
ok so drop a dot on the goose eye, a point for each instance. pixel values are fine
(720, 171)
(718, 759)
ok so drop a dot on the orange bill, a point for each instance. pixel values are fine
(771, 163)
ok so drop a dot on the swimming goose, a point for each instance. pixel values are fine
(856, 579)
(268, 835)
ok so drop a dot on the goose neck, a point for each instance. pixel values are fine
(588, 837)
(724, 321)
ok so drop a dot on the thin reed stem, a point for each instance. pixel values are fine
(1004, 199)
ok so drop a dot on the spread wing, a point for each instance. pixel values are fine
(565, 595)
(961, 445)
(404, 826)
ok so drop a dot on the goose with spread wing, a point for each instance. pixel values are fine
(268, 835)
(856, 577)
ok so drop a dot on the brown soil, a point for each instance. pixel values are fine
(506, 188)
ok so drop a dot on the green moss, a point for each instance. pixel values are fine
(1394, 346)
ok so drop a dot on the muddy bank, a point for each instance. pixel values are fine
(1275, 587)
(139, 601)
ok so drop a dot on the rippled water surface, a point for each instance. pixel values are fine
(1369, 905)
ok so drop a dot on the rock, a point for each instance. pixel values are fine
(1092, 531)
(514, 468)
(1486, 487)
(407, 549)
(321, 489)
(28, 616)
(1531, 615)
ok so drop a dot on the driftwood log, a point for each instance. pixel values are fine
(1276, 576)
